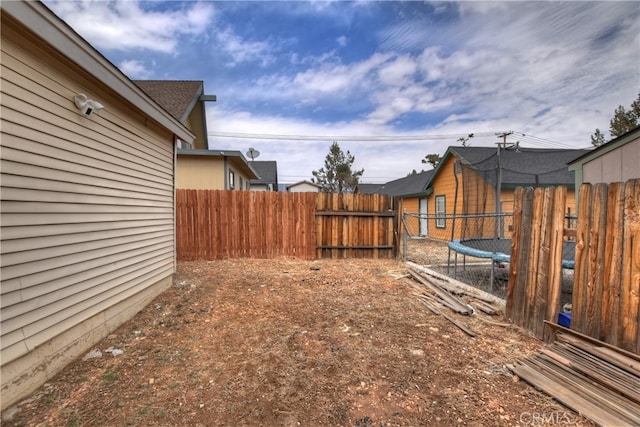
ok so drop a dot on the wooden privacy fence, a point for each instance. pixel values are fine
(215, 224)
(606, 288)
(535, 275)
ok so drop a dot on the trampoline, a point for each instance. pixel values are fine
(499, 250)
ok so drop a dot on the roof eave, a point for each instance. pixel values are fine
(46, 25)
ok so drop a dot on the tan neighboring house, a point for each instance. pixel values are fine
(213, 170)
(304, 187)
(198, 167)
(87, 197)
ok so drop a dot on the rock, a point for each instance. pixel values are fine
(93, 354)
(114, 351)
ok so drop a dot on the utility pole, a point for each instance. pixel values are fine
(498, 208)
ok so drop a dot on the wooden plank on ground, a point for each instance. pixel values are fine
(566, 395)
(451, 301)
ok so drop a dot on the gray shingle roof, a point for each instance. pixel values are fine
(267, 170)
(176, 96)
(369, 188)
(524, 166)
(407, 186)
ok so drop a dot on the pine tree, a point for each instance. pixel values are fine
(622, 122)
(337, 176)
(432, 159)
(597, 139)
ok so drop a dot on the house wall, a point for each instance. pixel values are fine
(195, 124)
(209, 173)
(409, 205)
(200, 173)
(87, 229)
(618, 165)
(444, 184)
(303, 188)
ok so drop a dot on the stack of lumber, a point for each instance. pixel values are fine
(436, 293)
(595, 379)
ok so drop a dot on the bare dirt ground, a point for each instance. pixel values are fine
(294, 343)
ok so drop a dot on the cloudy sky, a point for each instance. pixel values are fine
(390, 81)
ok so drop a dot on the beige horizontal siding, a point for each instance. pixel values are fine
(48, 93)
(87, 204)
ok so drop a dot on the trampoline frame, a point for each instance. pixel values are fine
(496, 257)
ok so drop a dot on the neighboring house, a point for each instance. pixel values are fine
(267, 172)
(213, 170)
(87, 197)
(304, 186)
(464, 181)
(412, 194)
(198, 167)
(616, 161)
(368, 188)
(184, 100)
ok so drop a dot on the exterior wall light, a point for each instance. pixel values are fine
(86, 106)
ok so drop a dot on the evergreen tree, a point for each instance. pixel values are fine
(432, 159)
(597, 139)
(337, 176)
(622, 122)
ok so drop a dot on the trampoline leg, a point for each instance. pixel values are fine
(455, 266)
(493, 266)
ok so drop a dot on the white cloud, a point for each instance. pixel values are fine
(135, 69)
(126, 24)
(243, 51)
(342, 41)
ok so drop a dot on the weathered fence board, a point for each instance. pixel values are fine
(606, 288)
(535, 278)
(607, 294)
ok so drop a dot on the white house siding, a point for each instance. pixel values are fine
(87, 213)
(619, 165)
(303, 188)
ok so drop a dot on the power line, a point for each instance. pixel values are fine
(388, 138)
(531, 139)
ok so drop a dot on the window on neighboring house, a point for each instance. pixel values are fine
(232, 180)
(440, 212)
(241, 182)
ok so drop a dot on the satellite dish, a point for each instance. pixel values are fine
(253, 153)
